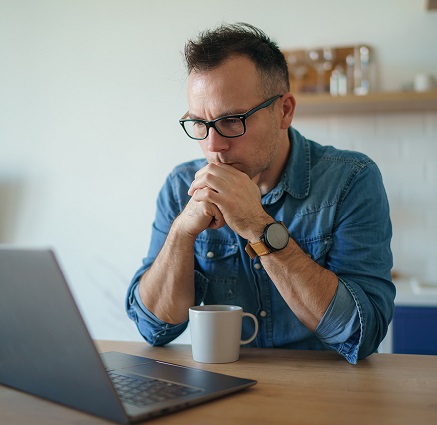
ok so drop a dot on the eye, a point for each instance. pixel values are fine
(230, 122)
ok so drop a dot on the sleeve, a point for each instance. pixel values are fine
(357, 319)
(152, 329)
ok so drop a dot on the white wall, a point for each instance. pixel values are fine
(90, 96)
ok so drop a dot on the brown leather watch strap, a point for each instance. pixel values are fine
(256, 249)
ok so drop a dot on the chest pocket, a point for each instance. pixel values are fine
(217, 260)
(317, 248)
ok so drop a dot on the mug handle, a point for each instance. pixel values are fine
(246, 341)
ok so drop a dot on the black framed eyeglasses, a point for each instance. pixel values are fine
(229, 126)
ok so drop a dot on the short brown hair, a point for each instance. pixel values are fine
(215, 46)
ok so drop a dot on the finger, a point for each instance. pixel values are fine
(208, 209)
(205, 194)
(217, 218)
(208, 181)
(211, 211)
(215, 176)
(197, 178)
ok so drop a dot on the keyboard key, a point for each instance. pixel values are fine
(147, 391)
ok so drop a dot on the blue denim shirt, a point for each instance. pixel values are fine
(334, 204)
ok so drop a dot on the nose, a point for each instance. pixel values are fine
(216, 142)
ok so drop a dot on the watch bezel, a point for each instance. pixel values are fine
(284, 231)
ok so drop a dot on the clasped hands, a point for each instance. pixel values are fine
(221, 194)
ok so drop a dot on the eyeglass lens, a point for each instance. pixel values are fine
(227, 127)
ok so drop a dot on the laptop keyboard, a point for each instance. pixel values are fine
(146, 391)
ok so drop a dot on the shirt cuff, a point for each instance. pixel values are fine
(340, 327)
(153, 330)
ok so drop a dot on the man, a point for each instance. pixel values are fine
(295, 233)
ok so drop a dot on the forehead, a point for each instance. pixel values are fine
(236, 82)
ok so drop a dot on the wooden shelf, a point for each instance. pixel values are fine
(316, 104)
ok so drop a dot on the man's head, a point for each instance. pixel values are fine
(213, 47)
(236, 70)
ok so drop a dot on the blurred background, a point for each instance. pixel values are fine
(90, 96)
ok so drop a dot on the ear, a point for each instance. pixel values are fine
(288, 106)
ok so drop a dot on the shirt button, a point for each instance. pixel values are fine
(263, 313)
(210, 254)
(257, 266)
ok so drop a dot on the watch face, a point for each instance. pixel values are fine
(277, 236)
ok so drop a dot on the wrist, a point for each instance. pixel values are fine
(256, 229)
(179, 231)
(274, 237)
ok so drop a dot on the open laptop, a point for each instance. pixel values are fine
(46, 350)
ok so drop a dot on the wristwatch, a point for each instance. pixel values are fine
(274, 238)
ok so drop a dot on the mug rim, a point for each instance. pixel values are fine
(216, 308)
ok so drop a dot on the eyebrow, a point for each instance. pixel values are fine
(229, 113)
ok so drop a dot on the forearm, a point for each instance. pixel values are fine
(306, 287)
(167, 287)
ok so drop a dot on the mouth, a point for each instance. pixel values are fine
(232, 164)
(218, 160)
(224, 161)
(231, 161)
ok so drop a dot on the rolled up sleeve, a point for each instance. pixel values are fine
(357, 319)
(152, 329)
(340, 327)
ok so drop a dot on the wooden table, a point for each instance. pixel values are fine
(294, 387)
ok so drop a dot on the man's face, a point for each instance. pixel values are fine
(233, 88)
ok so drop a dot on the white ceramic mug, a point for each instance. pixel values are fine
(424, 82)
(216, 332)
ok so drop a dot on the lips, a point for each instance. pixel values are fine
(218, 160)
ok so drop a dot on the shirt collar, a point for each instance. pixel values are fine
(295, 177)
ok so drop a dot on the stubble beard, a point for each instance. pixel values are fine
(259, 161)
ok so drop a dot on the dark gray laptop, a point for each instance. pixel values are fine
(46, 350)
